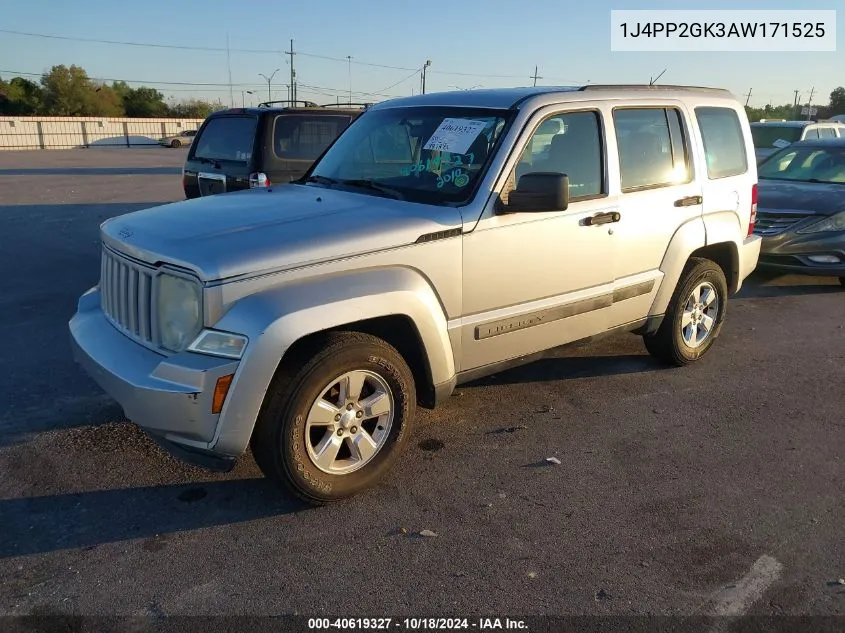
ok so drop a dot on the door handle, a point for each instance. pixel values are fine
(603, 218)
(689, 201)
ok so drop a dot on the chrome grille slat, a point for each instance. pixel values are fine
(774, 223)
(127, 288)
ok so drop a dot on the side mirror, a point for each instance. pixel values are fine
(539, 191)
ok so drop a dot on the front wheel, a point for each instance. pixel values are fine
(336, 420)
(694, 317)
(175, 143)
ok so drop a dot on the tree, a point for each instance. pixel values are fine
(193, 109)
(144, 102)
(70, 92)
(20, 97)
(837, 101)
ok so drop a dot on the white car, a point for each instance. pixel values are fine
(770, 136)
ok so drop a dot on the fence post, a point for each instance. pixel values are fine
(126, 133)
(40, 135)
(85, 143)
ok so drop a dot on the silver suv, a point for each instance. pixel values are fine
(441, 238)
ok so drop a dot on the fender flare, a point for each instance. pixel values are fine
(275, 318)
(689, 237)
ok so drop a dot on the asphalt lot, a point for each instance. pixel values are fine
(677, 489)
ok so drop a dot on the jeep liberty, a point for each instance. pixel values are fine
(441, 238)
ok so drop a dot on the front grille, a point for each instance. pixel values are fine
(774, 223)
(126, 295)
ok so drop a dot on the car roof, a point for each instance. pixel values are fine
(782, 123)
(507, 98)
(315, 109)
(820, 142)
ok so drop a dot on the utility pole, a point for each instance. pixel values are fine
(795, 105)
(292, 73)
(269, 80)
(748, 97)
(810, 102)
(426, 65)
(535, 76)
(229, 66)
(349, 59)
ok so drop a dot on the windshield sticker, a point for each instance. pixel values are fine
(780, 143)
(455, 135)
(457, 177)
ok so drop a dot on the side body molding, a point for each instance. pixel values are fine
(275, 318)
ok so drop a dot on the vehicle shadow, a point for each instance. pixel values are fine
(576, 363)
(763, 285)
(38, 525)
(92, 171)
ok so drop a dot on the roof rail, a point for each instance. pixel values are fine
(305, 104)
(346, 105)
(591, 87)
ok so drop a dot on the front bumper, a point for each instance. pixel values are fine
(170, 397)
(790, 252)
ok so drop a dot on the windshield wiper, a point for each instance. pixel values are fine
(209, 161)
(364, 183)
(323, 180)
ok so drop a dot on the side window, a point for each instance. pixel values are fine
(305, 137)
(827, 132)
(814, 133)
(571, 144)
(724, 143)
(652, 147)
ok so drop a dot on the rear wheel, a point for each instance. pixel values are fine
(175, 143)
(336, 420)
(694, 317)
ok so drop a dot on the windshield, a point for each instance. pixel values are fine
(432, 155)
(775, 136)
(805, 164)
(227, 138)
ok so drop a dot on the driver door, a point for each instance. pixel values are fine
(536, 280)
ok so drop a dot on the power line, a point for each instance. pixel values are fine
(265, 51)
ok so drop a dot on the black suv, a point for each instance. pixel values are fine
(243, 148)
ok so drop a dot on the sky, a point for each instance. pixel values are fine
(494, 43)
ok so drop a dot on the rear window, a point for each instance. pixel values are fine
(305, 137)
(774, 136)
(227, 138)
(724, 142)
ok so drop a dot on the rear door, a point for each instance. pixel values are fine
(294, 140)
(221, 156)
(658, 193)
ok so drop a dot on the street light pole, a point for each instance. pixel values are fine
(349, 59)
(269, 81)
(426, 65)
(243, 99)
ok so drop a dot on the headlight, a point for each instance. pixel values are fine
(833, 223)
(217, 343)
(179, 318)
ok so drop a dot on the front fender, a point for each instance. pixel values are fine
(276, 318)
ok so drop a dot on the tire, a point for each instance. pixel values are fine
(669, 343)
(842, 281)
(285, 442)
(175, 143)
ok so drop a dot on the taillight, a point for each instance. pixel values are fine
(258, 180)
(753, 219)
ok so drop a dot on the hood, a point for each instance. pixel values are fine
(262, 230)
(808, 198)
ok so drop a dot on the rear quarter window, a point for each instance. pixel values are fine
(305, 137)
(724, 142)
(227, 138)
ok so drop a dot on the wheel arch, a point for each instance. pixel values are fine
(395, 304)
